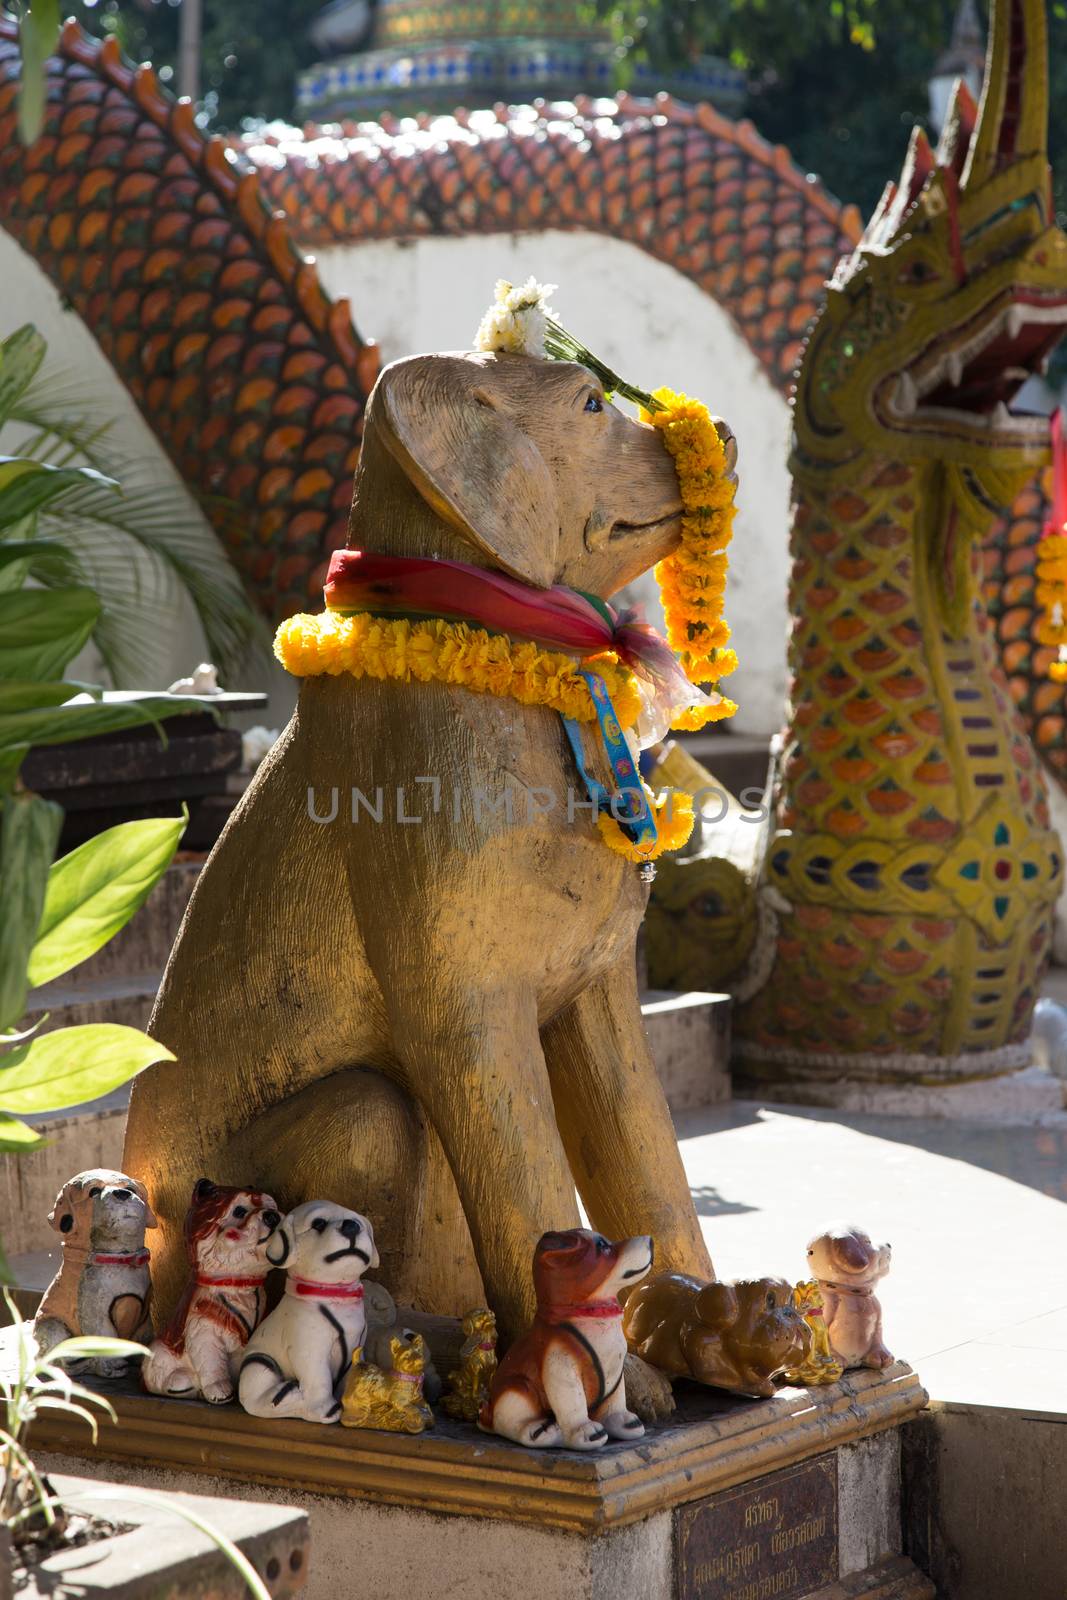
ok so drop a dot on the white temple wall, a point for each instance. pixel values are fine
(646, 321)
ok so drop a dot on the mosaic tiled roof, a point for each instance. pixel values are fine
(708, 196)
(253, 381)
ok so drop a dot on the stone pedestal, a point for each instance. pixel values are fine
(798, 1496)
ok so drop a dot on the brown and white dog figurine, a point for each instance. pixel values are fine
(103, 1286)
(562, 1382)
(226, 1234)
(848, 1266)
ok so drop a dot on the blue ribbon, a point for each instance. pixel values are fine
(635, 819)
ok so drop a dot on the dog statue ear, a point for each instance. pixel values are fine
(470, 461)
(60, 1217)
(150, 1218)
(280, 1244)
(717, 1306)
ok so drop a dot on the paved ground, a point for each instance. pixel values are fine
(976, 1213)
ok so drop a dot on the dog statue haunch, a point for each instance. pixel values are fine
(739, 1336)
(390, 1399)
(562, 1382)
(296, 1362)
(226, 1234)
(103, 1286)
(848, 1267)
(366, 1008)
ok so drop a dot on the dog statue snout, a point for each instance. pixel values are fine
(349, 1227)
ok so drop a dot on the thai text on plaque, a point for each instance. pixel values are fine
(776, 1536)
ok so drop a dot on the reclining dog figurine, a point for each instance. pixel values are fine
(296, 1362)
(443, 1017)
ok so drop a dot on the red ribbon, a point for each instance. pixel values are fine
(138, 1259)
(1058, 513)
(600, 1309)
(558, 618)
(229, 1283)
(324, 1291)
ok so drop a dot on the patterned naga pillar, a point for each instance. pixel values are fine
(912, 845)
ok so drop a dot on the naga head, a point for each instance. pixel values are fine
(954, 296)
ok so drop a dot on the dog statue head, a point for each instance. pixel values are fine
(756, 1320)
(516, 463)
(845, 1256)
(577, 1266)
(102, 1210)
(226, 1230)
(324, 1243)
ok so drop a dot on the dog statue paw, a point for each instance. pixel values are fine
(848, 1266)
(389, 1398)
(738, 1336)
(821, 1366)
(103, 1285)
(563, 1382)
(226, 1232)
(469, 1383)
(296, 1362)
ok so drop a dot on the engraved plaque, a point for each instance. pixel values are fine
(776, 1536)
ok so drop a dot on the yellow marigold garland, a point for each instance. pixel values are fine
(693, 579)
(673, 815)
(436, 651)
(1051, 593)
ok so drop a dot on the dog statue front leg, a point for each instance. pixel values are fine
(210, 1360)
(566, 1396)
(618, 1421)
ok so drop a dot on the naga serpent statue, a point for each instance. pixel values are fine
(911, 839)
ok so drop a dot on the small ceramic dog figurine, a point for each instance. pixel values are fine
(821, 1366)
(561, 1383)
(848, 1266)
(103, 1286)
(469, 1384)
(226, 1233)
(297, 1359)
(738, 1336)
(389, 1399)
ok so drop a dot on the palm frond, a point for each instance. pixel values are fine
(139, 548)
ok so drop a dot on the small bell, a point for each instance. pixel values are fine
(647, 872)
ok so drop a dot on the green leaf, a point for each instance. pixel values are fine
(72, 1065)
(27, 485)
(85, 1344)
(61, 724)
(21, 353)
(21, 556)
(29, 694)
(38, 32)
(40, 631)
(29, 829)
(17, 1137)
(95, 890)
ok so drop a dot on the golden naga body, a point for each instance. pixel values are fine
(390, 1400)
(468, 1384)
(912, 838)
(820, 1365)
(436, 1022)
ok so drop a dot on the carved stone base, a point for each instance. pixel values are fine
(733, 1500)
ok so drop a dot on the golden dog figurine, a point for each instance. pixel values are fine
(821, 1365)
(468, 1384)
(391, 1400)
(436, 1023)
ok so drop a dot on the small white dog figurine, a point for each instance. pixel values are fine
(103, 1285)
(296, 1361)
(848, 1266)
(226, 1233)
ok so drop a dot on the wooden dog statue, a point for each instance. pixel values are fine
(390, 1399)
(103, 1285)
(563, 1382)
(739, 1336)
(436, 1023)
